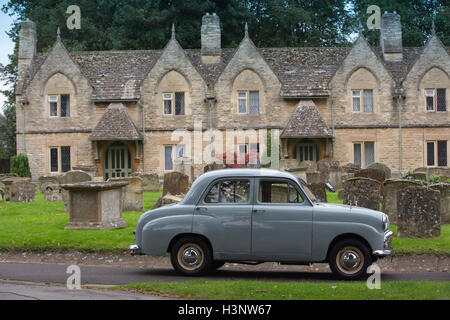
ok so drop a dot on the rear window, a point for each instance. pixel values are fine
(229, 191)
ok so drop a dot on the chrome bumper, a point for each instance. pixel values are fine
(387, 246)
(134, 249)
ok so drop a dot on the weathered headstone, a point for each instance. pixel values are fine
(418, 213)
(165, 200)
(150, 182)
(175, 183)
(22, 191)
(310, 166)
(44, 181)
(313, 177)
(132, 194)
(319, 190)
(374, 174)
(53, 193)
(381, 167)
(363, 192)
(324, 166)
(95, 205)
(391, 187)
(74, 176)
(350, 168)
(419, 176)
(444, 189)
(213, 166)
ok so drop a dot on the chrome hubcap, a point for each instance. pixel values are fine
(190, 256)
(350, 260)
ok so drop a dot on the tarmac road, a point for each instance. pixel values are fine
(103, 275)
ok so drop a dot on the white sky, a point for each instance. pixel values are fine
(6, 45)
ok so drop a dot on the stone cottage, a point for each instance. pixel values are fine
(117, 112)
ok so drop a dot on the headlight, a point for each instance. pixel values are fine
(385, 222)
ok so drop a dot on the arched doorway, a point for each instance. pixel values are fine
(117, 161)
(306, 150)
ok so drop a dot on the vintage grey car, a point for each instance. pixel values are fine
(260, 215)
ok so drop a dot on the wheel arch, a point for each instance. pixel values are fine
(346, 236)
(188, 235)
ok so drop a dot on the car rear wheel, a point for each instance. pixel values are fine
(191, 256)
(349, 259)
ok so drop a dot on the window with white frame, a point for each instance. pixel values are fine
(364, 153)
(436, 100)
(174, 103)
(437, 153)
(362, 99)
(59, 105)
(60, 159)
(248, 102)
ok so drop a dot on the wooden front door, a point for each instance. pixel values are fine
(117, 161)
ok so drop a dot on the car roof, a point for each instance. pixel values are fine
(202, 182)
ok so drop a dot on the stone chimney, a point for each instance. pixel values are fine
(27, 46)
(211, 48)
(391, 37)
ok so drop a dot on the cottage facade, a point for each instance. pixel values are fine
(119, 112)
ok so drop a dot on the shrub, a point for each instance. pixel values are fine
(19, 165)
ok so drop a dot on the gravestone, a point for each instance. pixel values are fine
(95, 205)
(44, 181)
(391, 187)
(213, 166)
(313, 177)
(150, 182)
(419, 176)
(363, 192)
(444, 189)
(350, 168)
(381, 167)
(165, 200)
(310, 166)
(8, 181)
(22, 191)
(74, 176)
(53, 193)
(132, 194)
(374, 174)
(175, 183)
(324, 167)
(319, 190)
(418, 213)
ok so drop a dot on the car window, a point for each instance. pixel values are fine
(278, 192)
(229, 191)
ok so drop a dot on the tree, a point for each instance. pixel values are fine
(416, 17)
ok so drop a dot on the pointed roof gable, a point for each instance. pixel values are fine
(306, 122)
(115, 124)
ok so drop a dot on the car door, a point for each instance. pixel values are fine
(281, 221)
(227, 208)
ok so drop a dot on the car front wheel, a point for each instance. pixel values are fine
(191, 256)
(349, 259)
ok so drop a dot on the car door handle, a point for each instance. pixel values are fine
(258, 211)
(202, 209)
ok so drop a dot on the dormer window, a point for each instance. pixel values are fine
(248, 102)
(59, 105)
(174, 103)
(435, 100)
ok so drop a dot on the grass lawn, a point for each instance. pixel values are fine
(40, 226)
(261, 290)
